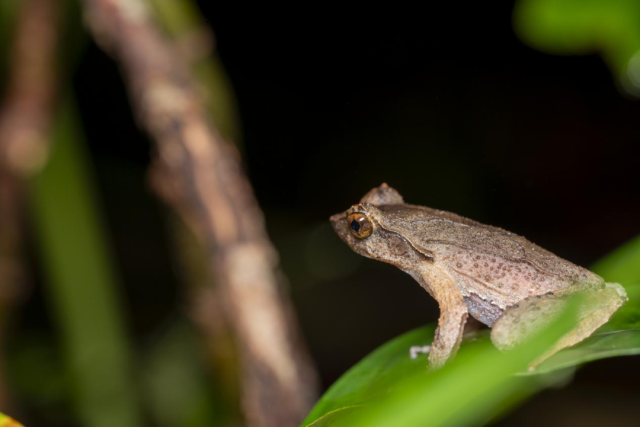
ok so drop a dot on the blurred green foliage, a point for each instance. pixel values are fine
(578, 27)
(83, 285)
(174, 382)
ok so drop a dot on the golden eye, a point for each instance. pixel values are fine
(359, 225)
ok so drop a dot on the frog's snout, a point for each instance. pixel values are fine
(336, 218)
(339, 224)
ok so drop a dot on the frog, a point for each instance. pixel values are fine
(503, 280)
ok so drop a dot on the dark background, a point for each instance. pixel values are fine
(447, 106)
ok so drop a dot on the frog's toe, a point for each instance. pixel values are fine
(622, 293)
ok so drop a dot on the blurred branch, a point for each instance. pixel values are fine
(195, 41)
(25, 119)
(26, 116)
(207, 313)
(200, 176)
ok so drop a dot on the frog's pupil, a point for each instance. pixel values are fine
(355, 226)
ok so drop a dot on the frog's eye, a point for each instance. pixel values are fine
(359, 225)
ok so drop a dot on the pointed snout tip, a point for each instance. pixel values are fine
(336, 219)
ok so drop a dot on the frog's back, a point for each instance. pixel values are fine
(491, 265)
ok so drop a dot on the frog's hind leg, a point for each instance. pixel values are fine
(522, 321)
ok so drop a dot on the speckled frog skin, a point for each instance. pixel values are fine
(498, 277)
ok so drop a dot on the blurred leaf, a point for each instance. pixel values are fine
(81, 281)
(6, 421)
(570, 27)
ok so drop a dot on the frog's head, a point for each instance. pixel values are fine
(364, 227)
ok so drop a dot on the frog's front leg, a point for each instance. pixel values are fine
(453, 315)
(523, 320)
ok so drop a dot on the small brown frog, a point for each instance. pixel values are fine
(500, 278)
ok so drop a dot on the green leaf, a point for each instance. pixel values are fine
(387, 370)
(374, 376)
(389, 387)
(600, 345)
(82, 284)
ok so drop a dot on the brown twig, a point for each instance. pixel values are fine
(201, 177)
(26, 115)
(25, 119)
(206, 312)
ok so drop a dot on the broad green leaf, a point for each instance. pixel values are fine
(375, 375)
(480, 382)
(385, 371)
(83, 287)
(600, 345)
(389, 388)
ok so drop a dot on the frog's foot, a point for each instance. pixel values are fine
(416, 350)
(529, 316)
(597, 309)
